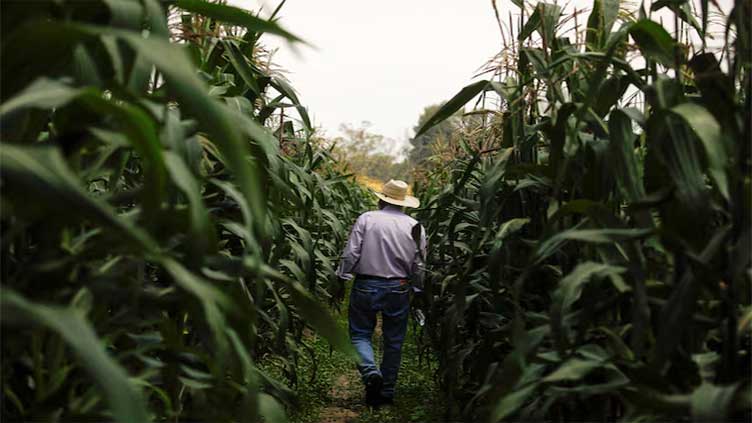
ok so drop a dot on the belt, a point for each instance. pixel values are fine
(380, 278)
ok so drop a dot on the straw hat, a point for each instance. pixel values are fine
(395, 192)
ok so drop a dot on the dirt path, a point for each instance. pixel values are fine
(346, 393)
(336, 394)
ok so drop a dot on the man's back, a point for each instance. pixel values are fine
(381, 244)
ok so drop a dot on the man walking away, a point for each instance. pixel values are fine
(382, 255)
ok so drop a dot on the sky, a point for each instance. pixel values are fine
(384, 61)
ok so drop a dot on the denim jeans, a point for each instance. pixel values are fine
(368, 297)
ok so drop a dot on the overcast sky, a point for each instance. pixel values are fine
(384, 61)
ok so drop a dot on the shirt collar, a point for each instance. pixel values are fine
(393, 209)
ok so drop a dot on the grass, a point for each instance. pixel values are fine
(336, 392)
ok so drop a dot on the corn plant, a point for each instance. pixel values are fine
(163, 229)
(591, 251)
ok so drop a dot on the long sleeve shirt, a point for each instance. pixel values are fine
(381, 244)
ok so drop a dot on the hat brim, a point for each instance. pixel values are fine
(409, 200)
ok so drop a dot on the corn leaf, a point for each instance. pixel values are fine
(453, 105)
(235, 16)
(124, 400)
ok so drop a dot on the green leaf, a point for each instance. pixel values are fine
(572, 369)
(212, 300)
(250, 375)
(241, 66)
(597, 236)
(544, 19)
(745, 321)
(680, 8)
(453, 105)
(43, 93)
(271, 409)
(84, 67)
(142, 133)
(233, 193)
(110, 45)
(706, 365)
(512, 402)
(570, 289)
(621, 149)
(43, 171)
(601, 20)
(708, 131)
(125, 14)
(654, 42)
(21, 69)
(493, 181)
(124, 400)
(712, 403)
(313, 313)
(682, 302)
(194, 384)
(235, 16)
(511, 226)
(532, 23)
(550, 14)
(137, 124)
(611, 92)
(215, 117)
(285, 89)
(156, 18)
(184, 179)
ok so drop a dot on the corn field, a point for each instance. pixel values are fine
(149, 206)
(591, 237)
(170, 217)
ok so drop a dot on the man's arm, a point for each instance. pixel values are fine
(423, 244)
(351, 254)
(418, 265)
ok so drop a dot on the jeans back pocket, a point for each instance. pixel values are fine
(362, 298)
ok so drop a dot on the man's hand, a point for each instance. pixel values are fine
(337, 289)
(418, 298)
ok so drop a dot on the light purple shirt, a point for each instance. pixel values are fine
(381, 244)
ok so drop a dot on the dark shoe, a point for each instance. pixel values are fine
(386, 400)
(373, 389)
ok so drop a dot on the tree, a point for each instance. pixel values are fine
(366, 153)
(426, 145)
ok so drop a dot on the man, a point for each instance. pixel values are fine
(382, 254)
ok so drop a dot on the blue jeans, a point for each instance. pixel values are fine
(368, 297)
